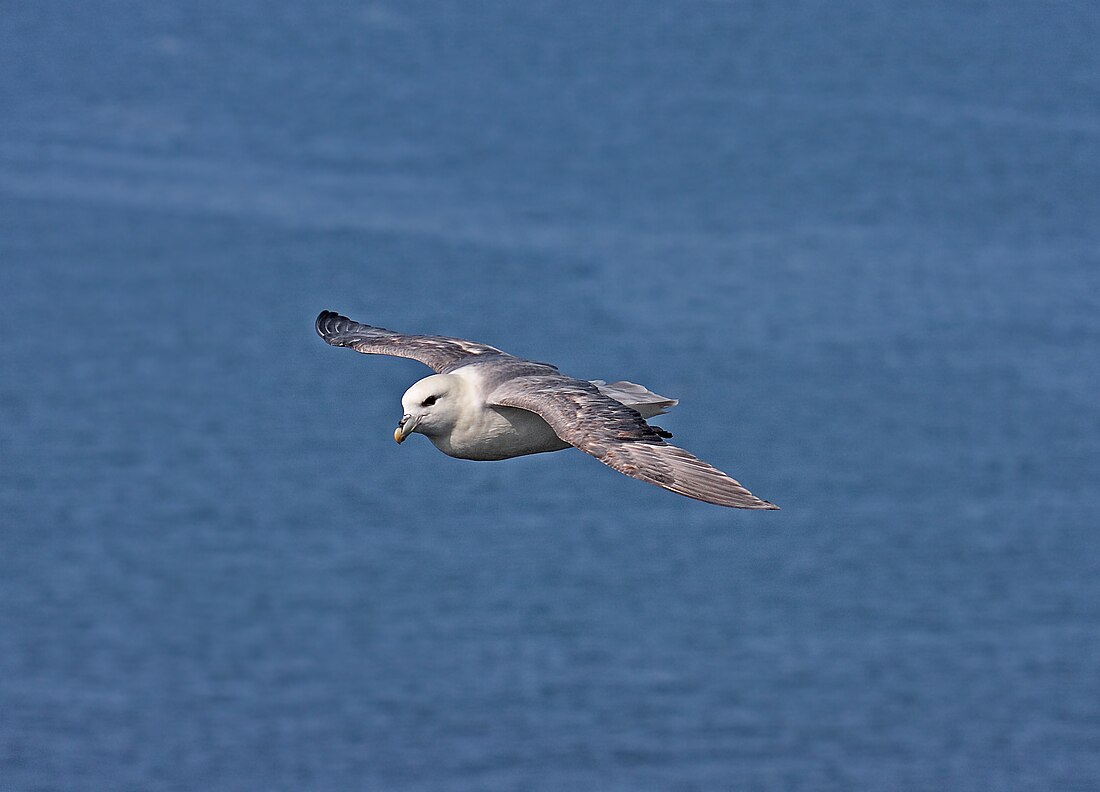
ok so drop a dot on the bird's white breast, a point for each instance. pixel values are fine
(487, 432)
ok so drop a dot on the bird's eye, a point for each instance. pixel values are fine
(428, 402)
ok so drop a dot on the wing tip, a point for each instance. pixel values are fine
(756, 504)
(330, 323)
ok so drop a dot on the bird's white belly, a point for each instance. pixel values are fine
(500, 433)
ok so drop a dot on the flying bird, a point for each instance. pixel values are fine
(485, 404)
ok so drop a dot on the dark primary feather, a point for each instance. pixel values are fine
(620, 438)
(440, 353)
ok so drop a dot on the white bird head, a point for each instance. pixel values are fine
(430, 407)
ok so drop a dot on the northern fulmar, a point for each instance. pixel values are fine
(485, 404)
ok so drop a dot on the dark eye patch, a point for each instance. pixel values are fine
(428, 402)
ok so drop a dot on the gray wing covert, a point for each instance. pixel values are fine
(620, 438)
(437, 352)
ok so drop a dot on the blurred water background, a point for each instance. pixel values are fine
(859, 241)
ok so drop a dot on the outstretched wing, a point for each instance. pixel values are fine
(618, 436)
(438, 352)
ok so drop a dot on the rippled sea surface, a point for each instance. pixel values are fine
(859, 241)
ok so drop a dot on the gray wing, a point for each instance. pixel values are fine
(439, 353)
(619, 437)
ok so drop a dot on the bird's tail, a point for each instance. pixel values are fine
(636, 397)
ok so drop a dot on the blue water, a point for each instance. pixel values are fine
(859, 241)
